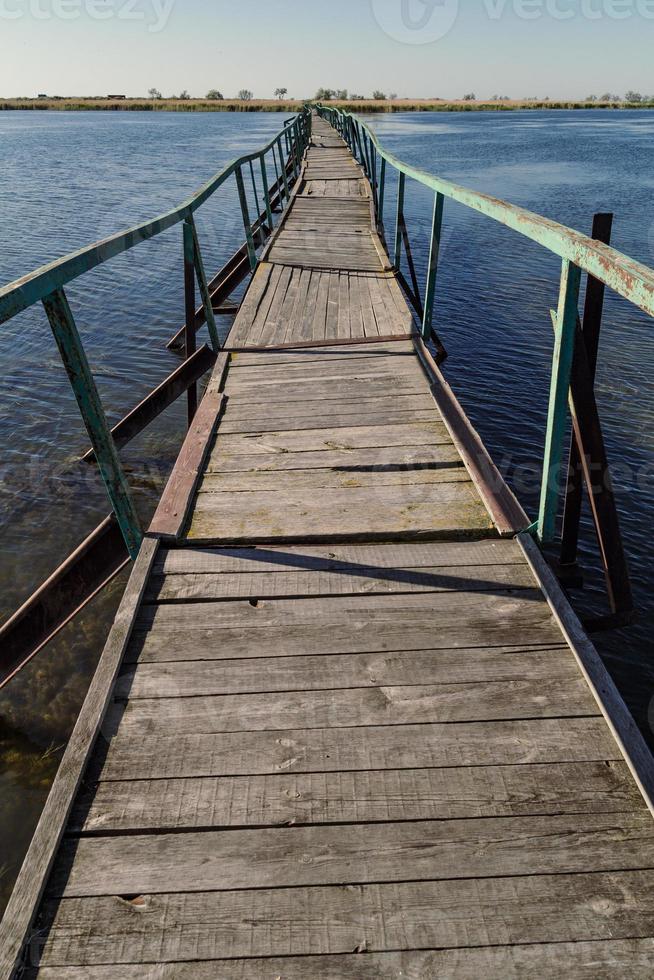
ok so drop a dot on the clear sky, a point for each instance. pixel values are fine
(415, 48)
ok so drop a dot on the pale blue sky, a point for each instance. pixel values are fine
(416, 48)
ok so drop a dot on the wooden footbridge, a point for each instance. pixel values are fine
(346, 724)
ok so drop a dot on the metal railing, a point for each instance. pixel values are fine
(103, 553)
(46, 285)
(578, 252)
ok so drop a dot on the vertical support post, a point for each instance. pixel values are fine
(399, 221)
(564, 345)
(255, 192)
(296, 144)
(592, 322)
(432, 268)
(278, 179)
(266, 193)
(189, 311)
(366, 154)
(373, 182)
(86, 393)
(252, 255)
(204, 287)
(382, 194)
(282, 163)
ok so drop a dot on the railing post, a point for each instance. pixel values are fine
(282, 164)
(266, 193)
(400, 218)
(564, 344)
(382, 194)
(278, 179)
(189, 310)
(256, 193)
(252, 255)
(88, 399)
(592, 322)
(432, 268)
(373, 182)
(204, 287)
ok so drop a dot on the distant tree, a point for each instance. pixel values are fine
(280, 93)
(494, 98)
(392, 96)
(379, 96)
(183, 96)
(325, 94)
(154, 93)
(633, 97)
(340, 93)
(356, 98)
(470, 97)
(215, 95)
(245, 95)
(591, 98)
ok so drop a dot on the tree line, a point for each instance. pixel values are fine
(342, 95)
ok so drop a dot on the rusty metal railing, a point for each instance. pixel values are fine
(118, 538)
(575, 346)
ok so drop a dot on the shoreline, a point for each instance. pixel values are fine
(290, 107)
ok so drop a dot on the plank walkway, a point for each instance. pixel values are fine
(349, 726)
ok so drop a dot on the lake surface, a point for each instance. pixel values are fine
(70, 178)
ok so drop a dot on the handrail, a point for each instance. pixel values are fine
(579, 253)
(631, 279)
(28, 290)
(47, 283)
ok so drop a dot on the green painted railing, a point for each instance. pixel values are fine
(46, 285)
(578, 252)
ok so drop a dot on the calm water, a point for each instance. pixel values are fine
(68, 179)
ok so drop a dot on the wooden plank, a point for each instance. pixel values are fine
(241, 409)
(584, 960)
(563, 694)
(421, 611)
(175, 561)
(432, 511)
(296, 479)
(511, 743)
(356, 462)
(339, 349)
(262, 286)
(27, 892)
(296, 583)
(519, 623)
(423, 850)
(339, 671)
(175, 504)
(390, 366)
(365, 797)
(318, 260)
(369, 387)
(334, 419)
(405, 435)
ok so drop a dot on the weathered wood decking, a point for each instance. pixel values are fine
(353, 728)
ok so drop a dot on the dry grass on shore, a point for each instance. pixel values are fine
(292, 106)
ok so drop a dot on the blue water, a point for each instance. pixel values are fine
(71, 178)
